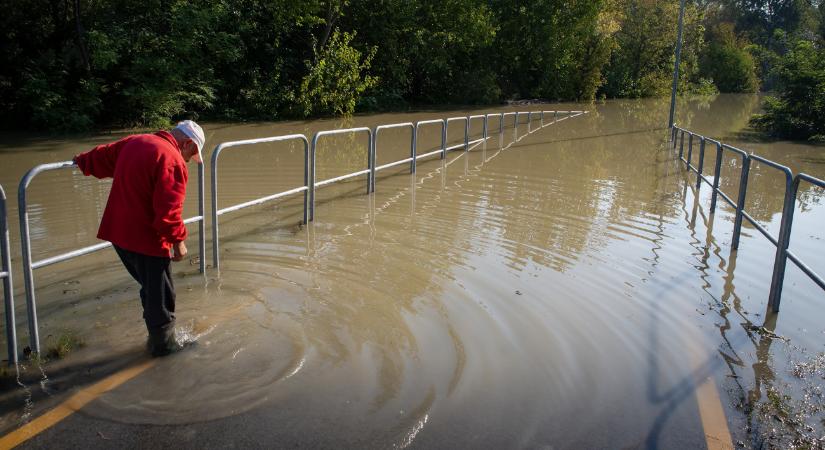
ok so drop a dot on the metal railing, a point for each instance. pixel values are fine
(370, 170)
(217, 212)
(310, 185)
(372, 145)
(5, 274)
(781, 242)
(411, 159)
(25, 242)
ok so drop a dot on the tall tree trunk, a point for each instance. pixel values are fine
(79, 32)
(333, 12)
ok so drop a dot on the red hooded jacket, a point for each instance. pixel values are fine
(143, 213)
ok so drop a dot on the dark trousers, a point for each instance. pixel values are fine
(157, 293)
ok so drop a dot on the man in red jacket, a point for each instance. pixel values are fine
(142, 218)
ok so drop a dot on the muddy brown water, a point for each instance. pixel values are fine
(568, 290)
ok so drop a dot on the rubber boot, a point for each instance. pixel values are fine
(162, 341)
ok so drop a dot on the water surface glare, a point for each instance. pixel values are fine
(564, 288)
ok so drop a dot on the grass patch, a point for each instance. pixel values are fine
(65, 343)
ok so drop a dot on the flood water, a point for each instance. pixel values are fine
(561, 286)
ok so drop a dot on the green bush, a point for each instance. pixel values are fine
(336, 79)
(798, 110)
(732, 69)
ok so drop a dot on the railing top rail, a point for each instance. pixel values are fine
(34, 171)
(777, 166)
(810, 179)
(507, 114)
(2, 194)
(477, 116)
(341, 131)
(464, 118)
(394, 125)
(430, 121)
(735, 150)
(263, 140)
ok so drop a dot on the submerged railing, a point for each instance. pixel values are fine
(781, 242)
(311, 184)
(308, 189)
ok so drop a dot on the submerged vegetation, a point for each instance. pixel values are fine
(81, 64)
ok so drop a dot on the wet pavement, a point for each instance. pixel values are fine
(561, 288)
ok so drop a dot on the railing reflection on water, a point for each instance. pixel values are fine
(781, 242)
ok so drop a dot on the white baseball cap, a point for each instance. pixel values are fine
(194, 132)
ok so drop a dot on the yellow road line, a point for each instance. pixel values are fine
(714, 423)
(73, 404)
(711, 413)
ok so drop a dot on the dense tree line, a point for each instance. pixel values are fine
(78, 64)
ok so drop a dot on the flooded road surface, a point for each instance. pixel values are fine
(568, 291)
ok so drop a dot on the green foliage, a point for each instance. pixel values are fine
(91, 63)
(336, 78)
(429, 51)
(727, 62)
(764, 60)
(704, 88)
(732, 69)
(642, 64)
(551, 49)
(798, 110)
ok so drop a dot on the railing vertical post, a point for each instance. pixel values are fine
(486, 120)
(690, 152)
(202, 221)
(306, 180)
(312, 176)
(28, 276)
(701, 163)
(8, 287)
(371, 140)
(781, 258)
(682, 144)
(413, 148)
(371, 162)
(216, 263)
(716, 174)
(740, 204)
(444, 139)
(467, 135)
